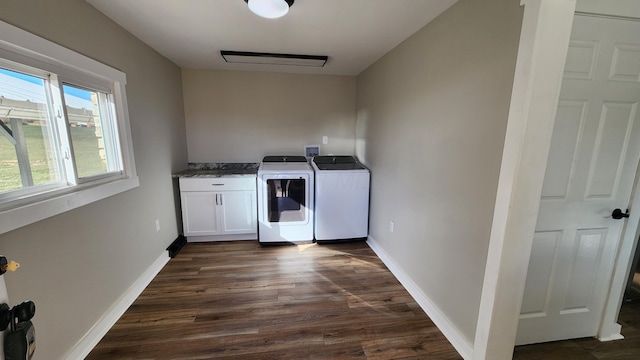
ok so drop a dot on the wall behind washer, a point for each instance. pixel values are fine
(237, 116)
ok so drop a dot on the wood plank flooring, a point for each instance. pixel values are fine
(238, 300)
(591, 348)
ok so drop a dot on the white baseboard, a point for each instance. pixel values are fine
(100, 329)
(614, 333)
(462, 345)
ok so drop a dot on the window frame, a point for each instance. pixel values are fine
(19, 46)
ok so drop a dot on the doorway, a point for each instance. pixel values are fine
(570, 291)
(542, 53)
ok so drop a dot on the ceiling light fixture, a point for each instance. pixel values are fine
(245, 57)
(269, 9)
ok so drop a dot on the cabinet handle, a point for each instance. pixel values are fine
(217, 199)
(217, 184)
(221, 199)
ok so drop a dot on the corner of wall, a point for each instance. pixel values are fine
(463, 345)
(100, 329)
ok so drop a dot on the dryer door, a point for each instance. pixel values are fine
(285, 199)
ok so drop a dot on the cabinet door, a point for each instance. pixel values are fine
(238, 212)
(200, 213)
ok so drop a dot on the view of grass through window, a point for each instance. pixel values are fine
(29, 148)
(86, 131)
(84, 140)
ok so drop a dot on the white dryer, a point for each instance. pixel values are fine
(342, 199)
(285, 200)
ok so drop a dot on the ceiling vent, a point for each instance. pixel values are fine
(244, 57)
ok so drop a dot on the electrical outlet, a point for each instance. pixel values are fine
(325, 140)
(392, 226)
(157, 224)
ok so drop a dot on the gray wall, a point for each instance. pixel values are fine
(431, 119)
(240, 116)
(78, 264)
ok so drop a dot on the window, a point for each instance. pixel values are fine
(53, 150)
(64, 130)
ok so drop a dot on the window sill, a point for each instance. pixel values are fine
(14, 218)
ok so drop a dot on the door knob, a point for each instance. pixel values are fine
(618, 214)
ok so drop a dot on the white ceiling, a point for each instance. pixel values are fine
(353, 33)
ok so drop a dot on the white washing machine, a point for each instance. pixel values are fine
(342, 199)
(285, 200)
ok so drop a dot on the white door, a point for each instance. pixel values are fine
(591, 169)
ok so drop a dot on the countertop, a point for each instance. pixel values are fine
(218, 170)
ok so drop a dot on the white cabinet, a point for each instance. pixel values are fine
(200, 213)
(238, 215)
(219, 208)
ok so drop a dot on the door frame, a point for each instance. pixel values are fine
(544, 42)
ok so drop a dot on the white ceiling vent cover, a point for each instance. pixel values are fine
(245, 57)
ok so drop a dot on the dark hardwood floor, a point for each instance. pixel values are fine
(237, 300)
(590, 348)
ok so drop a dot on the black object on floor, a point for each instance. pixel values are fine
(176, 246)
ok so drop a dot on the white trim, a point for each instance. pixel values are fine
(100, 329)
(544, 41)
(609, 328)
(455, 337)
(23, 42)
(36, 211)
(614, 331)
